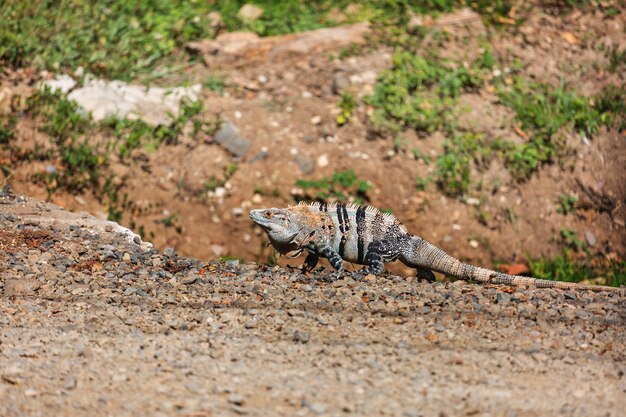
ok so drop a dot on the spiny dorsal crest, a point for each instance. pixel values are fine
(372, 211)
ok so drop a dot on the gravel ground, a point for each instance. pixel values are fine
(93, 323)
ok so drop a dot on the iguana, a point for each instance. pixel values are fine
(364, 235)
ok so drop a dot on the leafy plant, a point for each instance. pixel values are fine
(111, 39)
(213, 182)
(567, 267)
(420, 92)
(7, 129)
(452, 168)
(611, 104)
(62, 118)
(341, 186)
(567, 203)
(346, 104)
(542, 111)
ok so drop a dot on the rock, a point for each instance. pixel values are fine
(63, 83)
(189, 279)
(249, 46)
(316, 120)
(301, 336)
(228, 137)
(340, 82)
(322, 161)
(217, 23)
(305, 163)
(251, 323)
(154, 105)
(503, 298)
(473, 243)
(590, 238)
(169, 252)
(218, 250)
(236, 399)
(316, 408)
(248, 13)
(460, 17)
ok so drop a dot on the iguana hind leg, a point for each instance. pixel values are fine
(426, 274)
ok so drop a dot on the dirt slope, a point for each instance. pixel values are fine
(92, 323)
(286, 105)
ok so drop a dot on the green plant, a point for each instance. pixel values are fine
(215, 83)
(611, 104)
(341, 186)
(7, 129)
(453, 166)
(171, 220)
(542, 111)
(112, 39)
(420, 92)
(567, 267)
(131, 134)
(346, 105)
(567, 203)
(570, 240)
(61, 118)
(421, 183)
(214, 182)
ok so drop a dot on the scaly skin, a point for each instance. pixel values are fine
(366, 236)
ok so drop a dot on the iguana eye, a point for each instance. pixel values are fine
(268, 214)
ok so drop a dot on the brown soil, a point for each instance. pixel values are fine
(278, 115)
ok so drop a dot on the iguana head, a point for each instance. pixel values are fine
(282, 227)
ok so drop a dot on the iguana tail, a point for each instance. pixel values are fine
(422, 254)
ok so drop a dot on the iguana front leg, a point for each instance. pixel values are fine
(333, 257)
(374, 262)
(310, 262)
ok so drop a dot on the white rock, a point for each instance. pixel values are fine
(322, 161)
(307, 94)
(472, 201)
(316, 120)
(63, 83)
(237, 211)
(473, 243)
(249, 13)
(218, 250)
(257, 199)
(155, 105)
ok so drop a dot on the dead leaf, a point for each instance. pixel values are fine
(570, 38)
(520, 132)
(505, 20)
(514, 269)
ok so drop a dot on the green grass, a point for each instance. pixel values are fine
(141, 39)
(567, 203)
(420, 92)
(342, 186)
(542, 111)
(346, 105)
(114, 39)
(566, 267)
(453, 166)
(7, 129)
(132, 134)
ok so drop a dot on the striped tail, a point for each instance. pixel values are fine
(422, 253)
